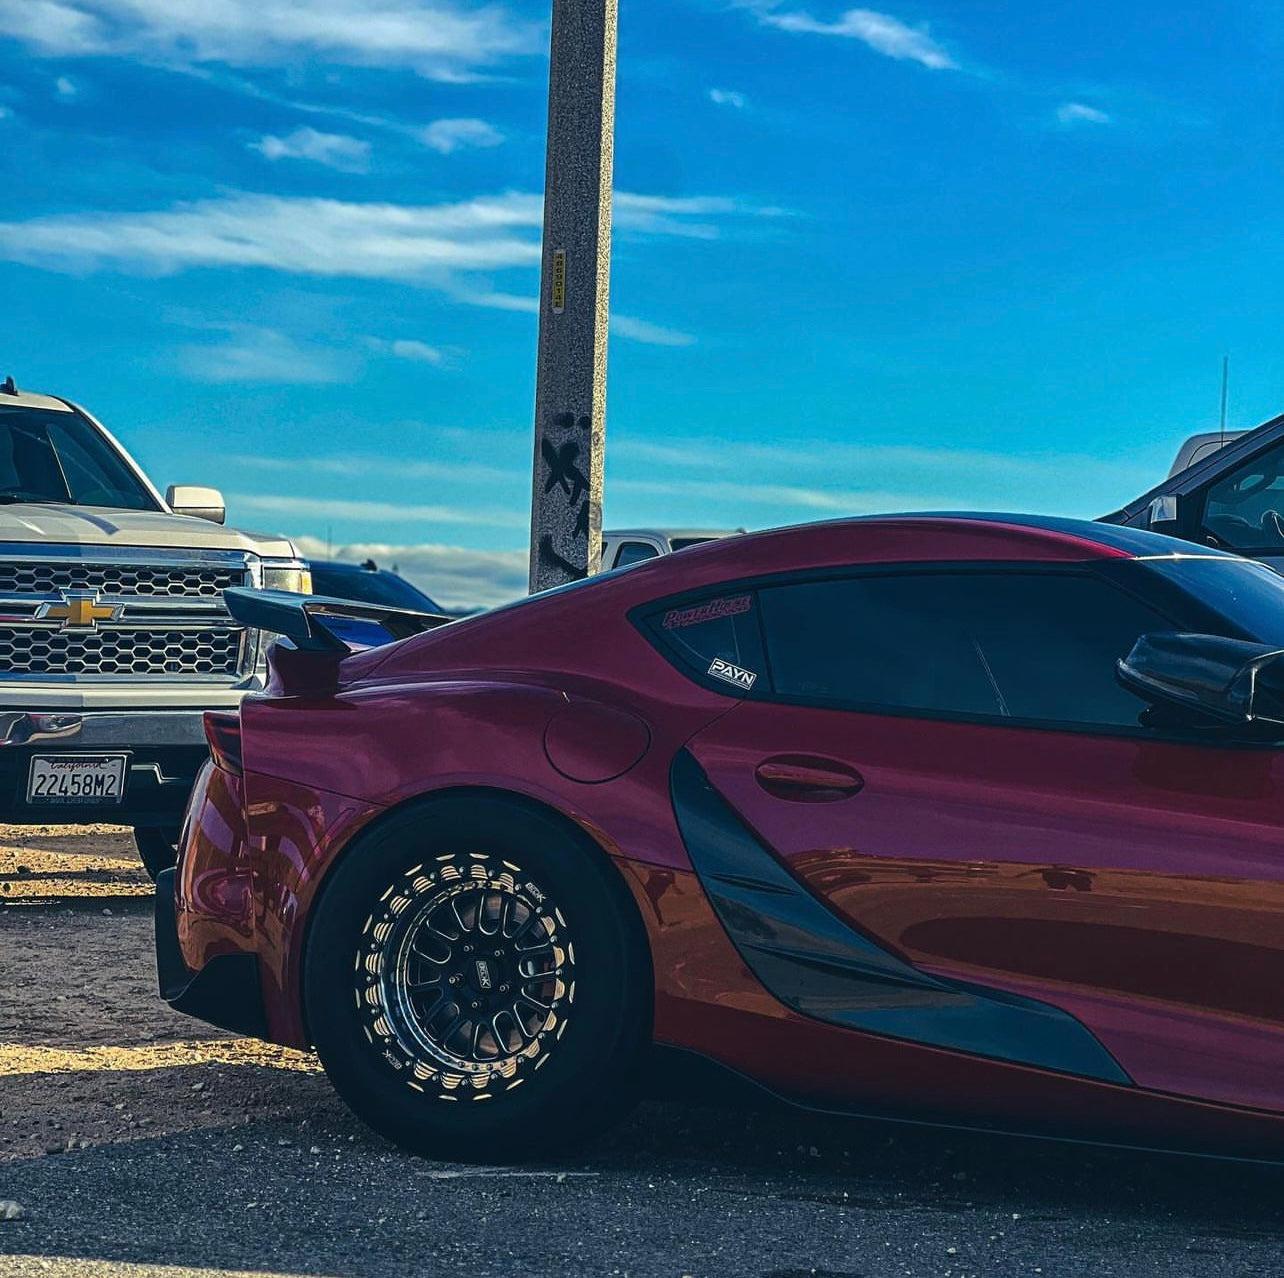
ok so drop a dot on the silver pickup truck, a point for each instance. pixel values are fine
(114, 638)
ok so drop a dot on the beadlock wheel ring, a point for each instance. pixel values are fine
(465, 976)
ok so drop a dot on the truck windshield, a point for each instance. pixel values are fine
(51, 456)
(341, 581)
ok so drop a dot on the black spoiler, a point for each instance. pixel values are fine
(316, 623)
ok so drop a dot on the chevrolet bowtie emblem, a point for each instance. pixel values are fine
(79, 611)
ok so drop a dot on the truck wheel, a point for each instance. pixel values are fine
(477, 982)
(157, 847)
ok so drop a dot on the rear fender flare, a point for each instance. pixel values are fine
(579, 832)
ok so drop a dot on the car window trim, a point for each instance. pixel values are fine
(764, 690)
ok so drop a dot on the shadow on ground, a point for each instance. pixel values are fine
(674, 1190)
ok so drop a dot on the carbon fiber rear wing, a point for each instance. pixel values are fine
(316, 623)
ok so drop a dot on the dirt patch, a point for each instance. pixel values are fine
(89, 1054)
(53, 864)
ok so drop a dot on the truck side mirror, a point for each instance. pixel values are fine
(200, 503)
(1162, 517)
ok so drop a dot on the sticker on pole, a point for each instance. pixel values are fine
(725, 671)
(559, 281)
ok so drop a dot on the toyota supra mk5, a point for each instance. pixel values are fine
(972, 820)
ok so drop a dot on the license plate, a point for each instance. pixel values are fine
(77, 778)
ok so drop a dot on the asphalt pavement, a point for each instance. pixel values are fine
(134, 1142)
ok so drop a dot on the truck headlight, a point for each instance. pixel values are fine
(292, 577)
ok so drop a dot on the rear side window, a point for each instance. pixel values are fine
(1030, 646)
(718, 639)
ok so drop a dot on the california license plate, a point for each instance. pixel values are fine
(77, 778)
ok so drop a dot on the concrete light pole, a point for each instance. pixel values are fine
(570, 391)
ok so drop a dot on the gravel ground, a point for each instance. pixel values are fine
(134, 1141)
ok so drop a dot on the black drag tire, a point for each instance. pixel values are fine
(382, 908)
(158, 848)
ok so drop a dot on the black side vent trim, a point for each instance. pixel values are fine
(815, 963)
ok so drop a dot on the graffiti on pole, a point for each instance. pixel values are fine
(565, 475)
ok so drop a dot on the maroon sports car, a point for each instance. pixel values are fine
(967, 819)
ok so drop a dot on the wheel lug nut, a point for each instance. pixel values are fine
(454, 980)
(503, 989)
(474, 1006)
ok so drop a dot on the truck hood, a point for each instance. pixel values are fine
(105, 526)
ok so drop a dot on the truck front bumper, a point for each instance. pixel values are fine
(165, 749)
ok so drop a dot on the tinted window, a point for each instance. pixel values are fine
(60, 457)
(633, 552)
(721, 630)
(1245, 510)
(1030, 646)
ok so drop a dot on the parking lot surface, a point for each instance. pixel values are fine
(134, 1141)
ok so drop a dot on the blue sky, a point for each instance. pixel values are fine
(947, 253)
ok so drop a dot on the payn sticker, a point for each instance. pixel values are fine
(733, 674)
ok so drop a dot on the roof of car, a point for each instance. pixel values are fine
(563, 615)
(343, 564)
(30, 399)
(947, 535)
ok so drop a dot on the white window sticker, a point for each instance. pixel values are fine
(732, 674)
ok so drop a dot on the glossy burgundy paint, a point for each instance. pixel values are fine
(589, 742)
(1136, 885)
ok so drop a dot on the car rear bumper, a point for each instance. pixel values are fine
(226, 992)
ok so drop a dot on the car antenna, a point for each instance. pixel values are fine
(1225, 387)
(8, 386)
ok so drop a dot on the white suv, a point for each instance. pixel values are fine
(114, 638)
(626, 546)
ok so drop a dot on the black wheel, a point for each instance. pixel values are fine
(157, 847)
(477, 982)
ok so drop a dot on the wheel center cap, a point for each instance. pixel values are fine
(485, 977)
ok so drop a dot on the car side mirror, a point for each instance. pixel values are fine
(192, 499)
(1207, 680)
(1163, 515)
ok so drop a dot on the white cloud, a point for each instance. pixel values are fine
(527, 304)
(299, 235)
(673, 215)
(455, 473)
(1072, 113)
(417, 352)
(390, 511)
(334, 150)
(639, 330)
(626, 326)
(441, 38)
(728, 97)
(249, 354)
(454, 576)
(879, 31)
(449, 136)
(65, 88)
(309, 236)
